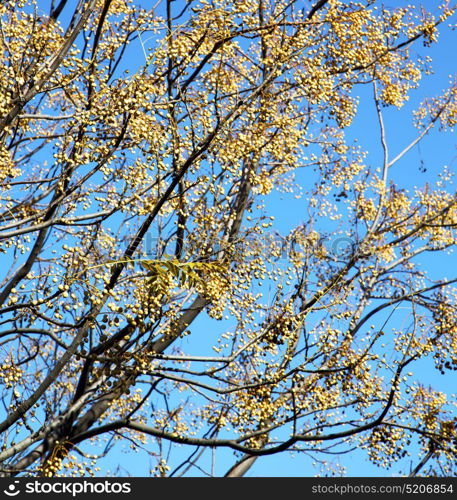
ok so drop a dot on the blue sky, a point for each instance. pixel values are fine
(437, 150)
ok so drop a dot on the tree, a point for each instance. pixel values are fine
(149, 296)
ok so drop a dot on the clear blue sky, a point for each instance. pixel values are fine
(436, 150)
